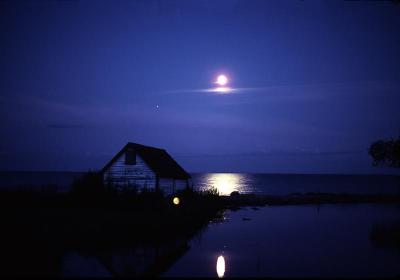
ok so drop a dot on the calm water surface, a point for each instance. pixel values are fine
(294, 241)
(280, 184)
(37, 179)
(225, 183)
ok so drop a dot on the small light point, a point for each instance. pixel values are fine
(176, 200)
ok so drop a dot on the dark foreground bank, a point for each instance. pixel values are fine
(38, 227)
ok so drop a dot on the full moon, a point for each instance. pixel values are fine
(222, 80)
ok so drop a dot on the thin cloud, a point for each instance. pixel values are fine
(338, 87)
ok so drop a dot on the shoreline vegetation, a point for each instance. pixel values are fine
(94, 219)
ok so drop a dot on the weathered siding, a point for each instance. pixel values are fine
(139, 174)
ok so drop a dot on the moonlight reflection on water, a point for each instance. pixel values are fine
(225, 183)
(220, 266)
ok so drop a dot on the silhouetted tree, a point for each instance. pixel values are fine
(386, 152)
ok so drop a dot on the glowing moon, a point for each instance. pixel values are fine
(222, 80)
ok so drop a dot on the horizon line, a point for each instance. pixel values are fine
(218, 172)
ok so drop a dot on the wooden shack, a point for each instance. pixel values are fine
(138, 166)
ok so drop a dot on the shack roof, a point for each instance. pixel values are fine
(157, 159)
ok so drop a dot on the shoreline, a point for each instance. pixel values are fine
(308, 198)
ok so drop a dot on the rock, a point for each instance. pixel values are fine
(235, 193)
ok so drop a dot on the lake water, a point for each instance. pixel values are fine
(37, 179)
(242, 182)
(280, 184)
(294, 241)
(274, 241)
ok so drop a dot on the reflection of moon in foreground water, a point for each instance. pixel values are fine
(220, 266)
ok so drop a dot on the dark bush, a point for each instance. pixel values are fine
(89, 185)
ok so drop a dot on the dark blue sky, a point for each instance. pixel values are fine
(320, 80)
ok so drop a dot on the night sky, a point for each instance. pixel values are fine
(316, 82)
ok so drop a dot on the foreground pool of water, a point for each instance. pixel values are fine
(295, 241)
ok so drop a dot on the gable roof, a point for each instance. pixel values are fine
(157, 159)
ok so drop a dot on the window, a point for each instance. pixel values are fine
(130, 157)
